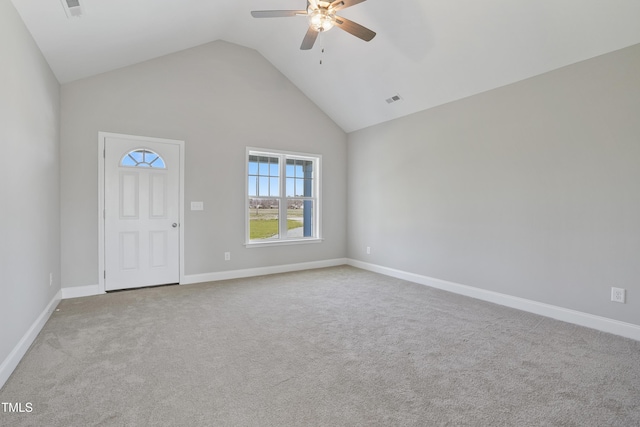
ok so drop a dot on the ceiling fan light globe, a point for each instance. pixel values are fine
(321, 20)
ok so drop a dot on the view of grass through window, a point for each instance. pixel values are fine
(281, 194)
(264, 222)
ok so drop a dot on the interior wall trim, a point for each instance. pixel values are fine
(604, 324)
(260, 271)
(81, 291)
(90, 290)
(11, 361)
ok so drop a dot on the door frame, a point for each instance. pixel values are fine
(102, 136)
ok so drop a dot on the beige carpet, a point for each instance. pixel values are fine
(330, 347)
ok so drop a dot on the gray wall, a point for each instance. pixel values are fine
(529, 190)
(29, 214)
(219, 98)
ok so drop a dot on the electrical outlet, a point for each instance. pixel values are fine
(368, 250)
(227, 256)
(618, 295)
(50, 279)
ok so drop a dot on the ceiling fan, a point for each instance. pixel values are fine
(322, 17)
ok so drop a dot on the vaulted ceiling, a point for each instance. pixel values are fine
(429, 52)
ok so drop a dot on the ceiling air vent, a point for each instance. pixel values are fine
(393, 99)
(73, 8)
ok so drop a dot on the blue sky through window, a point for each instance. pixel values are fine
(264, 177)
(142, 158)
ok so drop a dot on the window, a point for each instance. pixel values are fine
(283, 201)
(142, 158)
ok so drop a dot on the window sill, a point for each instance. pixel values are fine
(282, 243)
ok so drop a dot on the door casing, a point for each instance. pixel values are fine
(102, 137)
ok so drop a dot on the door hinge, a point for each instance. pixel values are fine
(105, 274)
(104, 153)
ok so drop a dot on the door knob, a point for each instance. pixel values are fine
(174, 225)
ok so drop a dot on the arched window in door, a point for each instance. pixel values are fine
(143, 158)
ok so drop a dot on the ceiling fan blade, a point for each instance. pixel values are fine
(276, 13)
(309, 39)
(343, 4)
(354, 28)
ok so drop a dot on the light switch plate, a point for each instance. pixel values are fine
(197, 206)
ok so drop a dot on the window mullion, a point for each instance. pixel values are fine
(283, 197)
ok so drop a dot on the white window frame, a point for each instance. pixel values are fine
(282, 205)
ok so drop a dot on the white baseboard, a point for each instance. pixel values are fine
(89, 290)
(260, 271)
(11, 361)
(605, 324)
(81, 291)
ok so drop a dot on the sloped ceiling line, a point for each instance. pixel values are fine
(431, 51)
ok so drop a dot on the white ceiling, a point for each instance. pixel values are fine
(430, 52)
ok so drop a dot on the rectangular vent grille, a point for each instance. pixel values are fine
(393, 99)
(73, 8)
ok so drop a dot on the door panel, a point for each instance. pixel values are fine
(129, 197)
(157, 196)
(142, 236)
(129, 250)
(158, 248)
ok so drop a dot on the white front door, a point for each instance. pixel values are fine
(142, 212)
